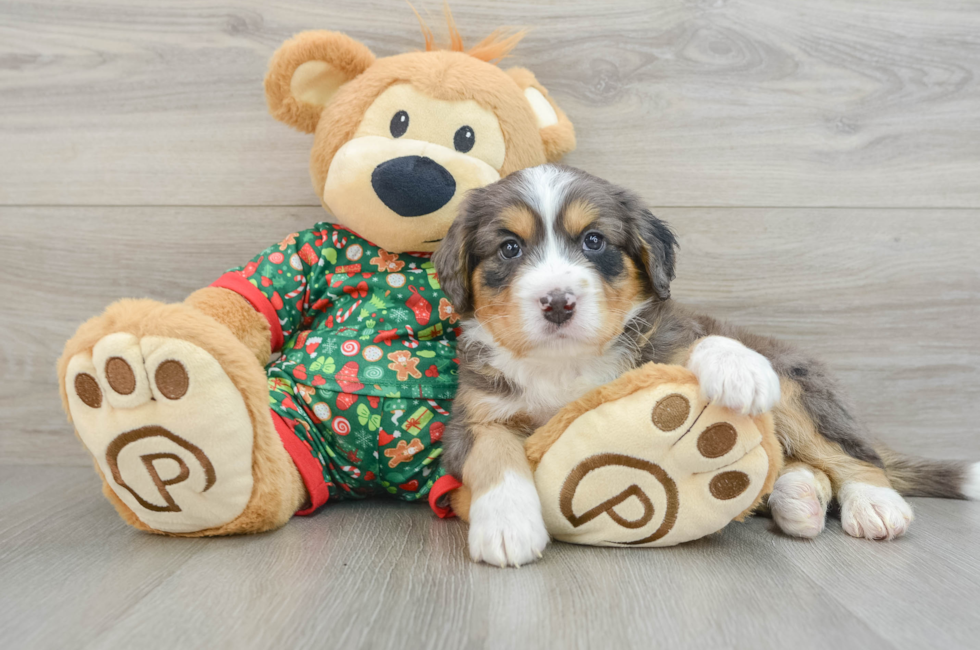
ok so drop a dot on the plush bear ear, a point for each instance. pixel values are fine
(306, 72)
(557, 132)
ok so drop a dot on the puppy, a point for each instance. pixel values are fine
(563, 280)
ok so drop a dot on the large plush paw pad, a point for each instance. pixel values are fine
(795, 504)
(657, 467)
(732, 375)
(873, 512)
(167, 427)
(506, 528)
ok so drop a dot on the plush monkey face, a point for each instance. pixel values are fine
(400, 140)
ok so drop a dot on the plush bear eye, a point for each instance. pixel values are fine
(510, 249)
(464, 139)
(399, 124)
(593, 242)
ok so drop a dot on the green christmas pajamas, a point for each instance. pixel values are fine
(362, 391)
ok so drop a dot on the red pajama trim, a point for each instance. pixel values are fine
(442, 486)
(308, 466)
(235, 281)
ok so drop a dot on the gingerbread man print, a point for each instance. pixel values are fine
(403, 452)
(404, 364)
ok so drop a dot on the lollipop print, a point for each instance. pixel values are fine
(340, 426)
(350, 348)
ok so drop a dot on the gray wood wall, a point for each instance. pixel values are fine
(820, 161)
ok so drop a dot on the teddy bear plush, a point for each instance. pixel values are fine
(324, 368)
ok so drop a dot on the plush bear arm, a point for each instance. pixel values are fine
(234, 312)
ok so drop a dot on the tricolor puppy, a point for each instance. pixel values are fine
(564, 280)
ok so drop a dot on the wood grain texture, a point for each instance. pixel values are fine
(889, 298)
(382, 575)
(708, 102)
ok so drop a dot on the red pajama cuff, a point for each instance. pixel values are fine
(235, 281)
(308, 466)
(442, 486)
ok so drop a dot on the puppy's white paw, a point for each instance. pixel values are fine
(506, 526)
(873, 512)
(795, 504)
(734, 376)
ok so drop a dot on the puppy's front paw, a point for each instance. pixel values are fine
(506, 526)
(734, 376)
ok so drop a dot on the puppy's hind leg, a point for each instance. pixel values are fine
(799, 500)
(870, 506)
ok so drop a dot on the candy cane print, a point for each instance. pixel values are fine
(438, 409)
(410, 342)
(298, 290)
(343, 315)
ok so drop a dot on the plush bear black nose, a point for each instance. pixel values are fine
(412, 186)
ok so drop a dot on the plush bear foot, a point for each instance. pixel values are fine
(646, 461)
(174, 436)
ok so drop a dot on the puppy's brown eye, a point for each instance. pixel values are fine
(593, 242)
(399, 124)
(464, 139)
(510, 249)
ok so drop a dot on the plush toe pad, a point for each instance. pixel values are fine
(656, 467)
(167, 427)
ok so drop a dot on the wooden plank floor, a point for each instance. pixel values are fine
(819, 160)
(390, 575)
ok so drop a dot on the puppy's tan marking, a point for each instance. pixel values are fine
(578, 216)
(618, 299)
(496, 450)
(500, 314)
(519, 220)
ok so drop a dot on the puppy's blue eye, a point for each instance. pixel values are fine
(399, 124)
(593, 242)
(510, 249)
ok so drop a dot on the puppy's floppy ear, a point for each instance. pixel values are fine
(660, 244)
(454, 259)
(557, 132)
(307, 71)
(656, 243)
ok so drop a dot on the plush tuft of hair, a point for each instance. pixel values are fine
(492, 49)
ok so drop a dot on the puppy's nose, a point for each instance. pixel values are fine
(558, 306)
(412, 186)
